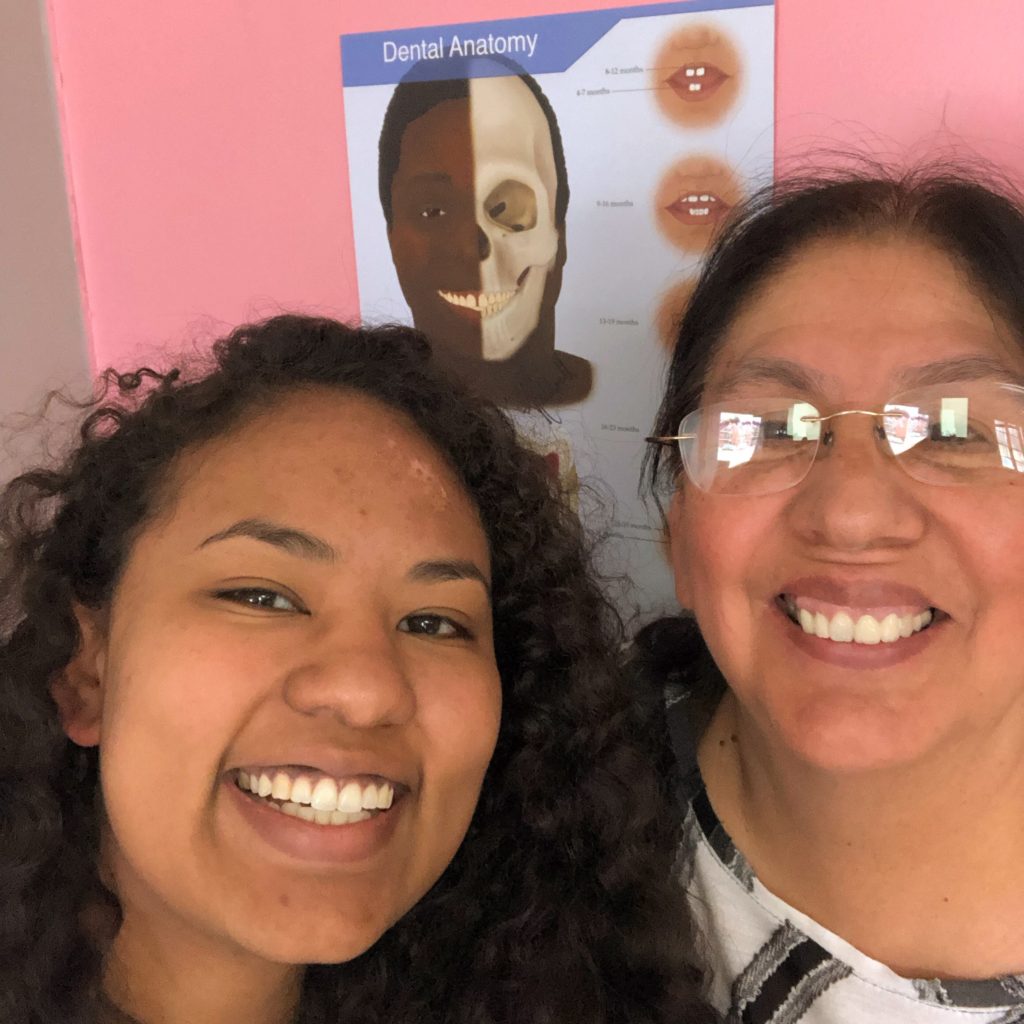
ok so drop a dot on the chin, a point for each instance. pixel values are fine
(850, 735)
(296, 944)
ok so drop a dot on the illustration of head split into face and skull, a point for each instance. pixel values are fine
(474, 191)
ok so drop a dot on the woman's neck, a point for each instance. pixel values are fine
(918, 866)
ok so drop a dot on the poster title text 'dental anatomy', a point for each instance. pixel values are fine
(444, 48)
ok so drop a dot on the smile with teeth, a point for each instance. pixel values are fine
(851, 626)
(485, 303)
(322, 801)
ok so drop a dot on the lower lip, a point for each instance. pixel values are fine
(858, 656)
(304, 840)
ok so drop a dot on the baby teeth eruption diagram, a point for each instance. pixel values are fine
(694, 196)
(323, 801)
(696, 75)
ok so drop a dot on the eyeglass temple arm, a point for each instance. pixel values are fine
(669, 438)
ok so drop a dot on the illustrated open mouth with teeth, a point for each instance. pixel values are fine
(696, 82)
(698, 208)
(857, 626)
(316, 798)
(485, 304)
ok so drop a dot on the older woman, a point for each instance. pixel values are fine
(843, 433)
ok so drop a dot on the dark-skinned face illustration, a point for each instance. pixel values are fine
(473, 234)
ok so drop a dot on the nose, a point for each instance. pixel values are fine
(359, 679)
(483, 243)
(855, 498)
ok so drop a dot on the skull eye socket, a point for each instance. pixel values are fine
(512, 206)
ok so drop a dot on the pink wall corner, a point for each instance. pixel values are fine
(205, 140)
(900, 79)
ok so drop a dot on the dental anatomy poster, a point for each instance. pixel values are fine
(537, 195)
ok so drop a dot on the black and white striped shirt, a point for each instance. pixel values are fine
(770, 964)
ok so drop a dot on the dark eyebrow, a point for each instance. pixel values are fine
(447, 571)
(770, 371)
(966, 368)
(294, 542)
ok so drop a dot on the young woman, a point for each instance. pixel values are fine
(309, 713)
(843, 433)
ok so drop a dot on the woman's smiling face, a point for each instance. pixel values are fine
(844, 325)
(311, 607)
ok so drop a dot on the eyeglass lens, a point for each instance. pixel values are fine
(955, 435)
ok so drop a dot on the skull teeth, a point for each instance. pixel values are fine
(485, 303)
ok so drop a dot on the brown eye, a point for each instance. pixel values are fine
(260, 598)
(428, 624)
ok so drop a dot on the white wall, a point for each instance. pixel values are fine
(42, 334)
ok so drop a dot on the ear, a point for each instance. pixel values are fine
(677, 546)
(78, 690)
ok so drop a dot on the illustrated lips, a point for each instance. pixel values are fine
(701, 208)
(696, 82)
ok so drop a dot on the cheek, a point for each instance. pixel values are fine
(460, 717)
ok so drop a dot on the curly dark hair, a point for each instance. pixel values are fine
(560, 904)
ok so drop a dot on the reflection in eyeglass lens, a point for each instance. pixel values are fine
(738, 437)
(1011, 449)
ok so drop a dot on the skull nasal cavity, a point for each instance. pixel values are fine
(512, 205)
(483, 243)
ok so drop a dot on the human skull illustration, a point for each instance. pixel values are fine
(514, 196)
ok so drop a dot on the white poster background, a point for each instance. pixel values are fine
(618, 146)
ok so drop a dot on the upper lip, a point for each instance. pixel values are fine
(334, 763)
(854, 593)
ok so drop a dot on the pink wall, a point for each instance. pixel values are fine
(204, 140)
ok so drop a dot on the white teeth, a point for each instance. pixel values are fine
(867, 630)
(282, 787)
(302, 790)
(842, 628)
(350, 799)
(322, 802)
(889, 628)
(325, 795)
(486, 303)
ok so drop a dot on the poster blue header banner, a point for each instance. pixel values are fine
(545, 44)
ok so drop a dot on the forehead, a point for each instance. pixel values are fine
(439, 139)
(507, 119)
(863, 314)
(326, 460)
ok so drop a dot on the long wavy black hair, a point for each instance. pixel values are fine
(560, 904)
